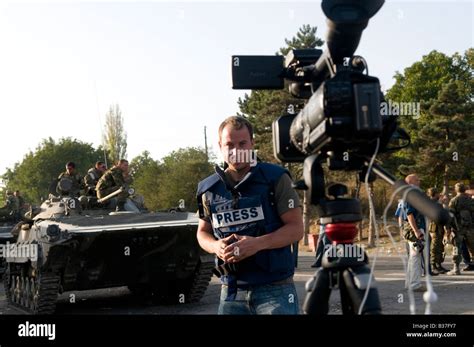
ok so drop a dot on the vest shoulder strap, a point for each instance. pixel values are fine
(207, 183)
(272, 173)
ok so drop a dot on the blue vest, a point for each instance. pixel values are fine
(249, 209)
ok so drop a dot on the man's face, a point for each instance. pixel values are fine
(124, 166)
(416, 181)
(102, 167)
(70, 170)
(236, 147)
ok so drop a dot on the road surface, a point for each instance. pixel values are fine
(455, 295)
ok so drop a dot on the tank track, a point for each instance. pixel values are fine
(32, 294)
(201, 280)
(190, 290)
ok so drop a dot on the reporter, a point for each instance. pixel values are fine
(249, 217)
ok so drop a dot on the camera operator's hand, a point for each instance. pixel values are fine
(245, 247)
(419, 245)
(222, 244)
(420, 234)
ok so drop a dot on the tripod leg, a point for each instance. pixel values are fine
(356, 281)
(346, 301)
(319, 291)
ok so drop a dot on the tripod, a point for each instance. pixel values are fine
(344, 265)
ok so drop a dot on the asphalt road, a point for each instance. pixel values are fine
(455, 295)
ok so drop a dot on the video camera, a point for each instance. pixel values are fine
(342, 113)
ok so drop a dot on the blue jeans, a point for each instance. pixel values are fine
(262, 299)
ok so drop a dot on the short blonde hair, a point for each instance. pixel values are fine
(237, 122)
(411, 177)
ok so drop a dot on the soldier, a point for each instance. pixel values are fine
(11, 208)
(113, 179)
(436, 234)
(21, 200)
(93, 176)
(462, 206)
(21, 204)
(76, 181)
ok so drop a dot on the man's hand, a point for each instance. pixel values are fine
(245, 247)
(221, 245)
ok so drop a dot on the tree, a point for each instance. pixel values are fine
(182, 171)
(115, 137)
(422, 82)
(146, 174)
(164, 183)
(446, 143)
(34, 174)
(305, 38)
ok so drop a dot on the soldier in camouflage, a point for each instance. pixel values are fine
(115, 178)
(75, 179)
(11, 208)
(93, 176)
(21, 204)
(436, 234)
(462, 207)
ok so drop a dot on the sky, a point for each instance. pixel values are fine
(168, 64)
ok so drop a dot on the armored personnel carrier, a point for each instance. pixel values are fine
(72, 244)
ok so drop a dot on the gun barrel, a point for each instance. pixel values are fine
(111, 195)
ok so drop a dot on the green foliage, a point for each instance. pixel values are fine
(446, 143)
(444, 86)
(305, 38)
(423, 80)
(176, 177)
(146, 179)
(182, 171)
(115, 138)
(34, 174)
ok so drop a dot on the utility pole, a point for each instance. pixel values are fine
(205, 144)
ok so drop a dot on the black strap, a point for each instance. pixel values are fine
(235, 193)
